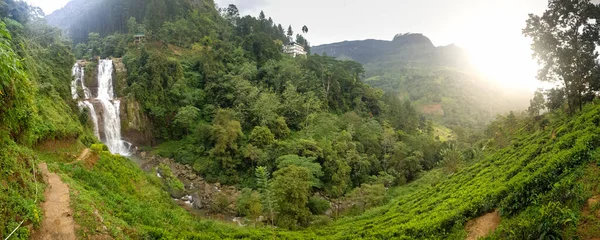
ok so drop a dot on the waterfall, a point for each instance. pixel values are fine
(78, 81)
(90, 107)
(110, 106)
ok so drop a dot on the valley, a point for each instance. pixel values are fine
(131, 119)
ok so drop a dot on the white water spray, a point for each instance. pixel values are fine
(90, 107)
(112, 122)
(78, 81)
(110, 106)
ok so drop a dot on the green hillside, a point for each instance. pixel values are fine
(311, 147)
(440, 81)
(540, 183)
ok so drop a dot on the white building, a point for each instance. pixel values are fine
(294, 50)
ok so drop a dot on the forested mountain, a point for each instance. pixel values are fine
(288, 148)
(440, 81)
(80, 17)
(221, 98)
(410, 50)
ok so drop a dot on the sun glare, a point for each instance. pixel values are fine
(497, 47)
(506, 62)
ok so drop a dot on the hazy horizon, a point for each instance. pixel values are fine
(490, 31)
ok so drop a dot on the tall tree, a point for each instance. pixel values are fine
(132, 26)
(305, 29)
(157, 10)
(564, 42)
(290, 33)
(266, 192)
(292, 185)
(232, 14)
(537, 104)
(226, 133)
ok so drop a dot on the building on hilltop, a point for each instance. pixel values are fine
(294, 49)
(139, 38)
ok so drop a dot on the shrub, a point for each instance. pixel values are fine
(318, 206)
(98, 148)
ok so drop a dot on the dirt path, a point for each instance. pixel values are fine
(84, 154)
(58, 220)
(482, 226)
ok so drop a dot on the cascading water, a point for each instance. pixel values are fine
(78, 81)
(90, 107)
(110, 106)
(79, 78)
(112, 122)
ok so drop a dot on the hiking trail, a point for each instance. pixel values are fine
(58, 220)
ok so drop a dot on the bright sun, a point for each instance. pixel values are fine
(507, 62)
(497, 47)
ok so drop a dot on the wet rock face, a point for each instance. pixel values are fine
(135, 125)
(119, 76)
(197, 192)
(91, 76)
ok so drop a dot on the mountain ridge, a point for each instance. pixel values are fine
(410, 48)
(440, 80)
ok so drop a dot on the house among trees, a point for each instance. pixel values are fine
(139, 38)
(294, 49)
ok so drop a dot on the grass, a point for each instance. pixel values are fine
(535, 179)
(18, 189)
(443, 133)
(116, 198)
(539, 183)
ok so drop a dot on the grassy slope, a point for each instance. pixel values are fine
(466, 99)
(111, 196)
(534, 183)
(540, 184)
(49, 117)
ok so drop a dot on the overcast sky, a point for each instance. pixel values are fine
(490, 30)
(48, 6)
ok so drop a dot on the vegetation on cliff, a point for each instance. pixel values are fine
(300, 136)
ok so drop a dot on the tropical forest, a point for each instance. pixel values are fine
(212, 119)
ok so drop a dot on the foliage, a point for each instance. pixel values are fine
(187, 117)
(34, 80)
(452, 158)
(291, 186)
(567, 33)
(537, 104)
(98, 148)
(223, 98)
(249, 204)
(130, 202)
(14, 90)
(267, 193)
(534, 176)
(171, 181)
(368, 196)
(318, 206)
(20, 187)
(307, 162)
(261, 137)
